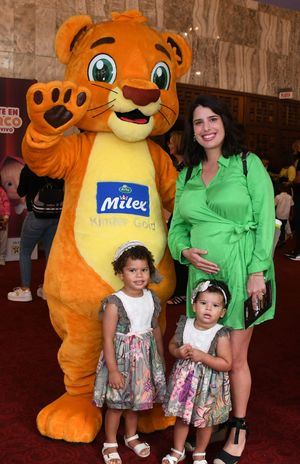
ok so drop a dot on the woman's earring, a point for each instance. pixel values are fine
(194, 138)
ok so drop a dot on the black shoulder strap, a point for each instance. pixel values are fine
(188, 174)
(244, 155)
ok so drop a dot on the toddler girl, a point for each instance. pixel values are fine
(130, 374)
(198, 390)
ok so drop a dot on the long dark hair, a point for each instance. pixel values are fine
(232, 145)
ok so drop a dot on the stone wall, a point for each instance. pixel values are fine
(239, 45)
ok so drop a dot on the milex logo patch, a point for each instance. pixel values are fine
(118, 197)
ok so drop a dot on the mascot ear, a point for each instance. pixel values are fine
(68, 34)
(181, 51)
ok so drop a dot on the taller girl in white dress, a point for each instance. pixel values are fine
(130, 374)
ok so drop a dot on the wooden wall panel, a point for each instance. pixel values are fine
(289, 115)
(263, 142)
(260, 111)
(187, 93)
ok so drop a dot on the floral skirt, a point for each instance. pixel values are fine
(140, 363)
(197, 394)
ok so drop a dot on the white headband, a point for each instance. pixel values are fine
(203, 286)
(155, 276)
(126, 246)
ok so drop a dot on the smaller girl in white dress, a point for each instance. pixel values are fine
(198, 391)
(130, 374)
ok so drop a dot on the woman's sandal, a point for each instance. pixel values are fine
(138, 449)
(197, 461)
(174, 459)
(110, 456)
(239, 423)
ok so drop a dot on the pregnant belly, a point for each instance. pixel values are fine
(214, 241)
(230, 247)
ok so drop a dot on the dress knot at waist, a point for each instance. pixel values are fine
(239, 231)
(138, 334)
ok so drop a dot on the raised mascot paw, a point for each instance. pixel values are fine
(70, 418)
(56, 106)
(154, 419)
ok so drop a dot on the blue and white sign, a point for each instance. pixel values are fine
(121, 198)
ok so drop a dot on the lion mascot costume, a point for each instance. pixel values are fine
(119, 89)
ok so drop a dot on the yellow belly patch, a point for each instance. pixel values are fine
(119, 165)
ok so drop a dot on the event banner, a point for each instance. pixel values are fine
(13, 123)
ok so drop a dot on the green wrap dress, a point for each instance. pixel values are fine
(233, 218)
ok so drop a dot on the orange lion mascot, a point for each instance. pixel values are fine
(119, 89)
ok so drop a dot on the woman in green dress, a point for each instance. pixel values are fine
(223, 227)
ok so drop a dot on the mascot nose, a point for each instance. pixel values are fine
(141, 97)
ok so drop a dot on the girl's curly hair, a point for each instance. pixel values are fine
(136, 252)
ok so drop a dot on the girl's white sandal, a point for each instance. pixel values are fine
(137, 449)
(173, 459)
(110, 456)
(197, 461)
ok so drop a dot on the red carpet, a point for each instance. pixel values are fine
(30, 378)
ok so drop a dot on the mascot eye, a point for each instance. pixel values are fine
(102, 68)
(161, 75)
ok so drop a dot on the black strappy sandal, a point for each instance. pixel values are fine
(176, 300)
(239, 423)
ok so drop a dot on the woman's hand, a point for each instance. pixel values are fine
(116, 380)
(256, 287)
(193, 255)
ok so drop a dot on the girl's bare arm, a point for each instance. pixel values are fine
(159, 341)
(109, 323)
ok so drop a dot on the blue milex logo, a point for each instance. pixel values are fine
(118, 197)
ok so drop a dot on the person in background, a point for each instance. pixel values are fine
(4, 217)
(175, 145)
(287, 173)
(176, 152)
(223, 227)
(34, 230)
(283, 204)
(296, 152)
(294, 255)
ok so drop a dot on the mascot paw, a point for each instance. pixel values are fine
(56, 106)
(154, 419)
(70, 418)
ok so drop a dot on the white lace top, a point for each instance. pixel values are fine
(200, 339)
(138, 309)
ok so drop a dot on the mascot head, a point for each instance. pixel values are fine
(130, 71)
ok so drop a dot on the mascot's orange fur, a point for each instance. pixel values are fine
(119, 89)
